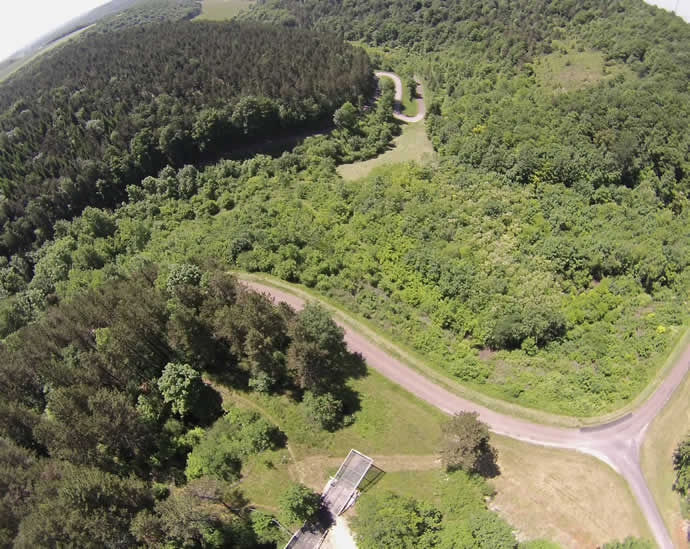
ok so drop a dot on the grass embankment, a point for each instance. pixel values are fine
(412, 145)
(663, 435)
(566, 496)
(219, 10)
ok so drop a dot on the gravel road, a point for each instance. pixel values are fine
(421, 108)
(616, 443)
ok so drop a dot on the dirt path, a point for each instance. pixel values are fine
(617, 443)
(421, 108)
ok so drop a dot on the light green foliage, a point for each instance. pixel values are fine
(388, 521)
(181, 275)
(457, 520)
(265, 528)
(181, 387)
(345, 117)
(324, 410)
(629, 543)
(298, 504)
(230, 441)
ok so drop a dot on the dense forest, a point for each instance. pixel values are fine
(104, 409)
(107, 111)
(478, 59)
(542, 257)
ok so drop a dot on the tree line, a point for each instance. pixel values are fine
(105, 407)
(105, 112)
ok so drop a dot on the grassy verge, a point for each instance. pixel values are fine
(413, 359)
(219, 10)
(563, 495)
(409, 106)
(662, 437)
(412, 145)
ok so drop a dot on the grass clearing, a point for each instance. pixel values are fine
(565, 496)
(385, 410)
(412, 145)
(662, 437)
(219, 10)
(568, 69)
(409, 106)
(422, 485)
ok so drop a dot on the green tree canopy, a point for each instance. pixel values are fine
(466, 445)
(298, 503)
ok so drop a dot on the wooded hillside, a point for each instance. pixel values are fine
(105, 112)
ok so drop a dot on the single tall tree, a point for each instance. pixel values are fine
(466, 445)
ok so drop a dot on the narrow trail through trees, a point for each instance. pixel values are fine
(617, 443)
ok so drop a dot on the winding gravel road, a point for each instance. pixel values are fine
(421, 107)
(616, 443)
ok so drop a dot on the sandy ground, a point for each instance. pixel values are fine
(339, 536)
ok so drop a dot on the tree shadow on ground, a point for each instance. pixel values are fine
(487, 464)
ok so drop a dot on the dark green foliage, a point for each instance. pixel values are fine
(82, 507)
(206, 513)
(80, 128)
(317, 350)
(466, 445)
(298, 504)
(96, 388)
(19, 475)
(681, 465)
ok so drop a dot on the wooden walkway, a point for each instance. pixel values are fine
(339, 494)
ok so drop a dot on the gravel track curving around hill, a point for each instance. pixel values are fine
(421, 107)
(616, 443)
